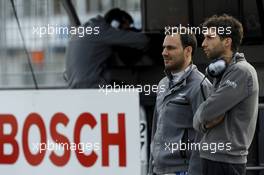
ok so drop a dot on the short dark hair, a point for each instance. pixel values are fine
(189, 39)
(117, 14)
(225, 21)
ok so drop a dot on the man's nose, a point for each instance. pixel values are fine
(164, 52)
(204, 44)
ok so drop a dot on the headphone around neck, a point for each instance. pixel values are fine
(216, 68)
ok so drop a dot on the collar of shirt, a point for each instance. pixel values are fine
(177, 76)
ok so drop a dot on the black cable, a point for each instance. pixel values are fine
(202, 90)
(24, 45)
(68, 6)
(260, 7)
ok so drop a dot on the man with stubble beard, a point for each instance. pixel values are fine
(233, 101)
(178, 97)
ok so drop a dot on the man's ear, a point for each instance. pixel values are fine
(187, 51)
(228, 42)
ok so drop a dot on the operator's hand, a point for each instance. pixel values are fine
(214, 122)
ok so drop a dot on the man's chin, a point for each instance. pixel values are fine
(168, 67)
(207, 56)
(212, 57)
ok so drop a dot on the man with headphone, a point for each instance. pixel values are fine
(87, 57)
(228, 116)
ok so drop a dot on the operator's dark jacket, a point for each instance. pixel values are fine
(173, 123)
(86, 56)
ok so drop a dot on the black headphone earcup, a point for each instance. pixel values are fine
(216, 68)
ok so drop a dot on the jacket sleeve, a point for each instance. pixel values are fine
(154, 127)
(195, 166)
(231, 91)
(153, 130)
(197, 94)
